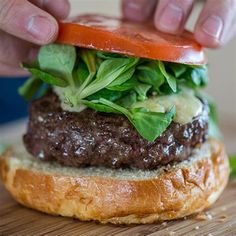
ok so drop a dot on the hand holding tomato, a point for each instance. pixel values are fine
(23, 26)
(215, 26)
(26, 24)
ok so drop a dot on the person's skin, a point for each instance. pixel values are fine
(24, 25)
(215, 26)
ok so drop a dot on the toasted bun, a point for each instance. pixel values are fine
(118, 196)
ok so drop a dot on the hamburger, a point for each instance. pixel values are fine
(119, 130)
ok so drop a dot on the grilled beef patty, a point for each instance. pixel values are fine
(91, 138)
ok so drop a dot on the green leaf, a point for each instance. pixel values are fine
(128, 100)
(151, 125)
(128, 85)
(107, 94)
(115, 106)
(111, 66)
(30, 88)
(57, 59)
(177, 69)
(203, 74)
(48, 78)
(171, 80)
(81, 73)
(127, 75)
(108, 55)
(232, 162)
(149, 73)
(142, 90)
(108, 71)
(195, 77)
(95, 105)
(88, 57)
(165, 89)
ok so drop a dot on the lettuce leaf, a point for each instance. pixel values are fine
(112, 83)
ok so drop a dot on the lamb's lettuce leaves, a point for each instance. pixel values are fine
(30, 88)
(177, 69)
(128, 100)
(88, 57)
(108, 71)
(57, 59)
(47, 78)
(95, 105)
(151, 74)
(195, 77)
(171, 80)
(81, 73)
(112, 83)
(142, 90)
(150, 125)
(107, 94)
(124, 77)
(128, 85)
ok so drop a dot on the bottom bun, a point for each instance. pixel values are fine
(118, 196)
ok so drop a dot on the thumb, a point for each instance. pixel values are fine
(26, 21)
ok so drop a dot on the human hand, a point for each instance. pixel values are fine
(24, 25)
(215, 26)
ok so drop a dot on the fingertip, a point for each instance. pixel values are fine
(59, 9)
(43, 28)
(170, 19)
(132, 11)
(209, 30)
(206, 40)
(138, 10)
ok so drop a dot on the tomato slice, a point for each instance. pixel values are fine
(138, 40)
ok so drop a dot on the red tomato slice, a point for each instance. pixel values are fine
(138, 40)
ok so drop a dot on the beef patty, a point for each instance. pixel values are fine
(91, 138)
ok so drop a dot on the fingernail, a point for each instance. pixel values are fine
(171, 18)
(137, 10)
(41, 28)
(213, 26)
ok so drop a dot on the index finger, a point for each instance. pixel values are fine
(59, 9)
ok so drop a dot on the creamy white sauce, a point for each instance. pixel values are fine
(66, 105)
(186, 104)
